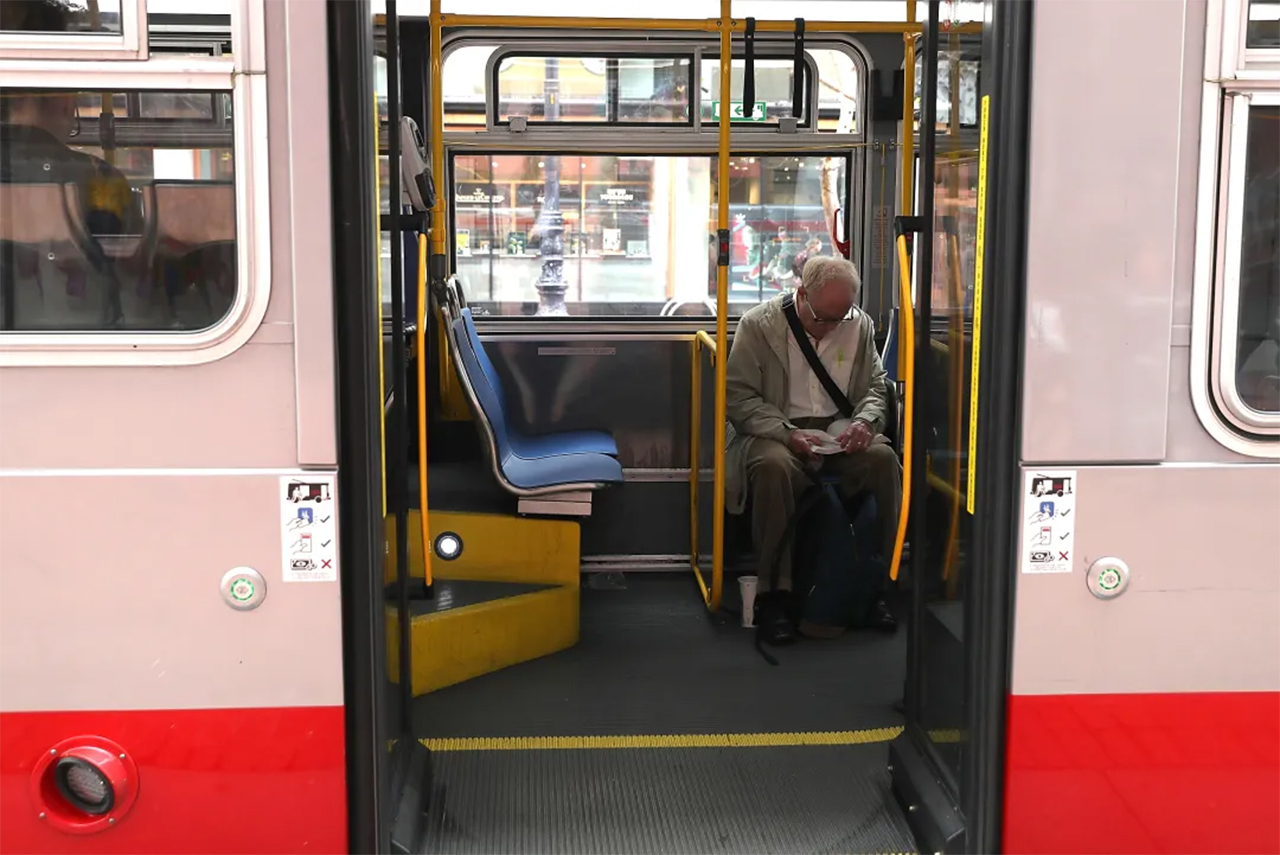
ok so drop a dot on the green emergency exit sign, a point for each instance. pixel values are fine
(736, 113)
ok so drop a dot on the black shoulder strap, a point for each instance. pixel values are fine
(811, 356)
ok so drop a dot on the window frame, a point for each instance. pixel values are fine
(130, 43)
(493, 69)
(242, 75)
(1234, 80)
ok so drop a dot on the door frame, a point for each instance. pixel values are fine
(972, 820)
(359, 406)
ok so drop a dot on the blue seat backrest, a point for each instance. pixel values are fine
(490, 402)
(486, 364)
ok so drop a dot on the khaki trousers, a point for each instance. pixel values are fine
(777, 479)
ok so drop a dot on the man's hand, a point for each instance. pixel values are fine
(856, 437)
(802, 446)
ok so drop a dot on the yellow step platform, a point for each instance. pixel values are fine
(509, 596)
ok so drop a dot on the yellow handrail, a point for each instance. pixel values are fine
(722, 309)
(700, 340)
(906, 344)
(421, 334)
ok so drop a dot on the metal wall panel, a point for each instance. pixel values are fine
(1101, 230)
(1199, 614)
(112, 602)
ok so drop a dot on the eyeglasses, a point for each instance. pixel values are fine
(826, 321)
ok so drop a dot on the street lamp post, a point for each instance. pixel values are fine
(551, 285)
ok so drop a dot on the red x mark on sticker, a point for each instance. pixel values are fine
(326, 563)
(1062, 556)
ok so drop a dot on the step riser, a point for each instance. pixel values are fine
(462, 644)
(494, 548)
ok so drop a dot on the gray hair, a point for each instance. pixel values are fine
(821, 269)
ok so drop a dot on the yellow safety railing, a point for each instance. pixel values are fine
(710, 591)
(906, 347)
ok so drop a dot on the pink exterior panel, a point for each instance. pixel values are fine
(111, 597)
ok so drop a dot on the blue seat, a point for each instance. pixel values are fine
(544, 445)
(569, 470)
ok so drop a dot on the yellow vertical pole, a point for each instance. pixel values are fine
(435, 105)
(377, 242)
(420, 340)
(722, 303)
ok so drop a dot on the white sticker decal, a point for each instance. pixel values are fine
(308, 527)
(1048, 520)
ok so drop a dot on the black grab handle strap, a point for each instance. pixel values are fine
(749, 72)
(811, 356)
(797, 75)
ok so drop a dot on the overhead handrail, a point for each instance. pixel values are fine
(706, 25)
(907, 351)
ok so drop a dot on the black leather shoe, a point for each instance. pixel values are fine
(772, 623)
(882, 619)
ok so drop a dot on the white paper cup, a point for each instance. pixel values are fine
(747, 588)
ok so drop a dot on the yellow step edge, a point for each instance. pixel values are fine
(680, 740)
(461, 644)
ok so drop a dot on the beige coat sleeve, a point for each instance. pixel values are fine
(747, 410)
(873, 406)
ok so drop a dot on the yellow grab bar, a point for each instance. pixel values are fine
(722, 309)
(421, 334)
(907, 347)
(700, 340)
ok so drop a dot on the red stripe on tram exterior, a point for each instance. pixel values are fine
(1143, 773)
(210, 781)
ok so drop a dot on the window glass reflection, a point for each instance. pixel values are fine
(117, 211)
(635, 232)
(61, 16)
(1258, 344)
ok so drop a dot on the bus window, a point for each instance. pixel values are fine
(117, 212)
(464, 87)
(1257, 351)
(1263, 29)
(774, 89)
(636, 228)
(594, 89)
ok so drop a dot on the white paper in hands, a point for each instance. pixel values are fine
(822, 442)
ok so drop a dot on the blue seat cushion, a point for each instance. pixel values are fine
(544, 445)
(548, 471)
(562, 469)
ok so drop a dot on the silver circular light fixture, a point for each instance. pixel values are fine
(448, 546)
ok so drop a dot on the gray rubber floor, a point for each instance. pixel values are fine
(651, 662)
(695, 800)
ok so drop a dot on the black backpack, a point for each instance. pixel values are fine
(836, 563)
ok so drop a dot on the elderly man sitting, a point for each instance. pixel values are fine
(775, 399)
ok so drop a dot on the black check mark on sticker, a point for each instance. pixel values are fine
(1063, 514)
(327, 542)
(1063, 537)
(325, 519)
